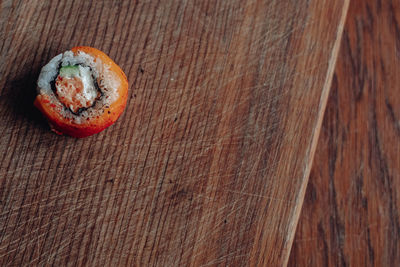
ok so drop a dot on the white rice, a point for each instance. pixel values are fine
(108, 83)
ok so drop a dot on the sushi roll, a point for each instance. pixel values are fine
(81, 92)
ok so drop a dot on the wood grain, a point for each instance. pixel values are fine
(209, 163)
(351, 210)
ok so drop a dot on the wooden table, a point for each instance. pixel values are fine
(210, 161)
(350, 216)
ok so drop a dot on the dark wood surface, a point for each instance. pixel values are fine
(350, 215)
(209, 163)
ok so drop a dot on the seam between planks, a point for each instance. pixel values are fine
(317, 129)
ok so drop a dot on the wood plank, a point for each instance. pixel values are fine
(209, 163)
(351, 210)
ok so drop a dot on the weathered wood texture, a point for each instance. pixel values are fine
(351, 211)
(209, 163)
